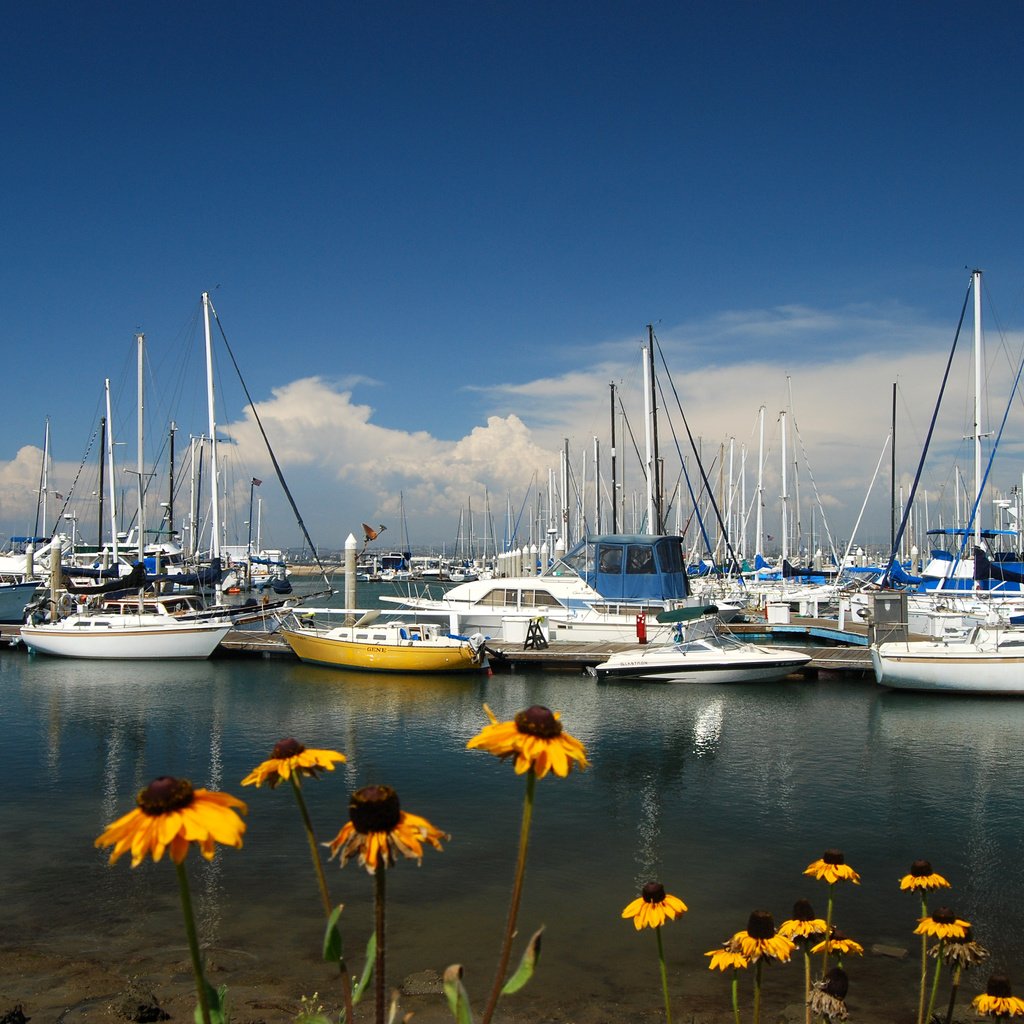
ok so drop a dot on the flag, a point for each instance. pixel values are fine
(256, 483)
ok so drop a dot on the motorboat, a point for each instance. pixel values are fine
(989, 661)
(369, 645)
(609, 588)
(703, 654)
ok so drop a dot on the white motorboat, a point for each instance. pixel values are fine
(989, 661)
(703, 655)
(597, 592)
(130, 628)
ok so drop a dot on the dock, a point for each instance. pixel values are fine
(831, 649)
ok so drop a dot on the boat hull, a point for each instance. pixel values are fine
(13, 599)
(701, 667)
(383, 657)
(193, 641)
(947, 668)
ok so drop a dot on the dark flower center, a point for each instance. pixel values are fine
(761, 925)
(538, 721)
(838, 936)
(921, 868)
(999, 986)
(653, 892)
(943, 916)
(833, 857)
(165, 794)
(837, 984)
(803, 911)
(287, 748)
(374, 809)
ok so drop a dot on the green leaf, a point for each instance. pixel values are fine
(217, 1001)
(371, 959)
(333, 946)
(531, 957)
(458, 997)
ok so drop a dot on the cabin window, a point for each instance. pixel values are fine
(539, 598)
(639, 560)
(609, 559)
(497, 597)
(670, 556)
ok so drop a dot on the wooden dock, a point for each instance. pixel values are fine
(831, 650)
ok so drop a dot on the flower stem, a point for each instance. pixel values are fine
(757, 991)
(517, 893)
(314, 851)
(325, 896)
(736, 996)
(935, 981)
(953, 992)
(807, 985)
(379, 877)
(664, 976)
(193, 942)
(924, 962)
(828, 932)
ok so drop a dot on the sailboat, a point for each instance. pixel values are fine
(990, 659)
(134, 627)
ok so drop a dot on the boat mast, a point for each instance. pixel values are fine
(140, 517)
(215, 531)
(977, 406)
(785, 496)
(649, 442)
(110, 474)
(615, 504)
(597, 485)
(759, 529)
(99, 489)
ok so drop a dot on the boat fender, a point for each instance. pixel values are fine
(641, 628)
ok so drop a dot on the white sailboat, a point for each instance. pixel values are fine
(135, 628)
(990, 658)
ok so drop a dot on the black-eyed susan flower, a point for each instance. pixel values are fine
(171, 815)
(289, 757)
(378, 829)
(923, 877)
(832, 867)
(727, 958)
(942, 924)
(828, 996)
(653, 907)
(803, 924)
(760, 941)
(839, 943)
(536, 739)
(998, 999)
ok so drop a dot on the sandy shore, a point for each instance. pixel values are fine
(72, 990)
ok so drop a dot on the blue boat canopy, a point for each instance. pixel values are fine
(631, 567)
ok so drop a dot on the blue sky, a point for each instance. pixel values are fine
(434, 233)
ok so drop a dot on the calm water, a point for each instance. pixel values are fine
(723, 793)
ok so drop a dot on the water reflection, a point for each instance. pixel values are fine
(724, 793)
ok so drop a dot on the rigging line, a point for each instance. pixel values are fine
(856, 525)
(81, 466)
(991, 457)
(636, 449)
(810, 473)
(693, 447)
(898, 540)
(273, 457)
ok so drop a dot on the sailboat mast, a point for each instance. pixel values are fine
(785, 496)
(615, 504)
(759, 538)
(140, 518)
(977, 405)
(215, 509)
(99, 489)
(649, 443)
(110, 473)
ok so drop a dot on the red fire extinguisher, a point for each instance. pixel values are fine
(641, 628)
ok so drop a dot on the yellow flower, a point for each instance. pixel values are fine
(803, 924)
(998, 999)
(535, 738)
(290, 756)
(653, 907)
(760, 940)
(378, 829)
(832, 868)
(922, 877)
(172, 815)
(838, 943)
(943, 924)
(726, 957)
